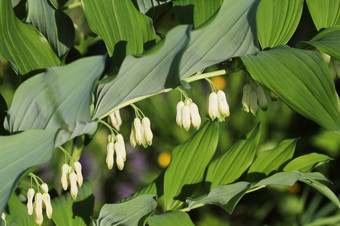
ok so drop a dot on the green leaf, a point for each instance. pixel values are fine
(188, 163)
(132, 212)
(325, 13)
(54, 24)
(18, 212)
(140, 77)
(306, 163)
(277, 21)
(145, 5)
(225, 196)
(301, 78)
(324, 190)
(232, 33)
(170, 218)
(270, 161)
(57, 99)
(123, 28)
(195, 12)
(67, 211)
(314, 176)
(20, 152)
(281, 178)
(235, 161)
(22, 44)
(328, 41)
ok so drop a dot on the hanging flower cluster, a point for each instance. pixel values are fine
(141, 133)
(41, 200)
(253, 97)
(3, 217)
(218, 106)
(187, 114)
(116, 144)
(71, 176)
(115, 120)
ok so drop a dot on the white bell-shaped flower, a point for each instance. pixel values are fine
(38, 215)
(147, 130)
(223, 106)
(261, 98)
(77, 167)
(3, 217)
(121, 151)
(73, 184)
(115, 119)
(186, 117)
(213, 106)
(64, 172)
(30, 196)
(109, 155)
(138, 131)
(133, 137)
(246, 97)
(253, 103)
(44, 187)
(195, 115)
(47, 202)
(179, 109)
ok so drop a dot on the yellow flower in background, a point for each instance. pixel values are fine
(164, 159)
(220, 82)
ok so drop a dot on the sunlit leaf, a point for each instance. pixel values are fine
(170, 218)
(142, 76)
(301, 78)
(188, 163)
(277, 21)
(225, 196)
(22, 44)
(328, 41)
(57, 99)
(272, 160)
(235, 161)
(230, 34)
(132, 212)
(20, 152)
(54, 24)
(123, 28)
(18, 212)
(306, 163)
(325, 13)
(145, 5)
(67, 211)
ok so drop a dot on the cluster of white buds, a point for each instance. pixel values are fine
(115, 120)
(253, 97)
(187, 114)
(218, 106)
(41, 200)
(3, 217)
(116, 144)
(141, 133)
(71, 176)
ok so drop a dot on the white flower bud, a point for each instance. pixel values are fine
(38, 208)
(30, 195)
(121, 151)
(3, 217)
(195, 115)
(47, 202)
(147, 130)
(246, 97)
(138, 131)
(73, 184)
(261, 98)
(144, 143)
(77, 167)
(115, 119)
(119, 119)
(179, 109)
(109, 155)
(111, 138)
(64, 172)
(213, 106)
(223, 104)
(120, 162)
(186, 117)
(44, 188)
(253, 103)
(133, 137)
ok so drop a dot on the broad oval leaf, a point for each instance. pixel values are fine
(123, 28)
(271, 160)
(306, 163)
(20, 152)
(225, 196)
(235, 161)
(22, 44)
(57, 99)
(232, 33)
(54, 24)
(17, 210)
(145, 5)
(67, 211)
(171, 218)
(281, 178)
(328, 41)
(277, 21)
(132, 212)
(301, 78)
(188, 163)
(195, 12)
(139, 77)
(325, 13)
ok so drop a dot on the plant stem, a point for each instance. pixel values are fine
(73, 5)
(205, 75)
(255, 189)
(112, 130)
(65, 152)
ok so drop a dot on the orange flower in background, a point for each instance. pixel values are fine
(220, 82)
(295, 188)
(164, 159)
